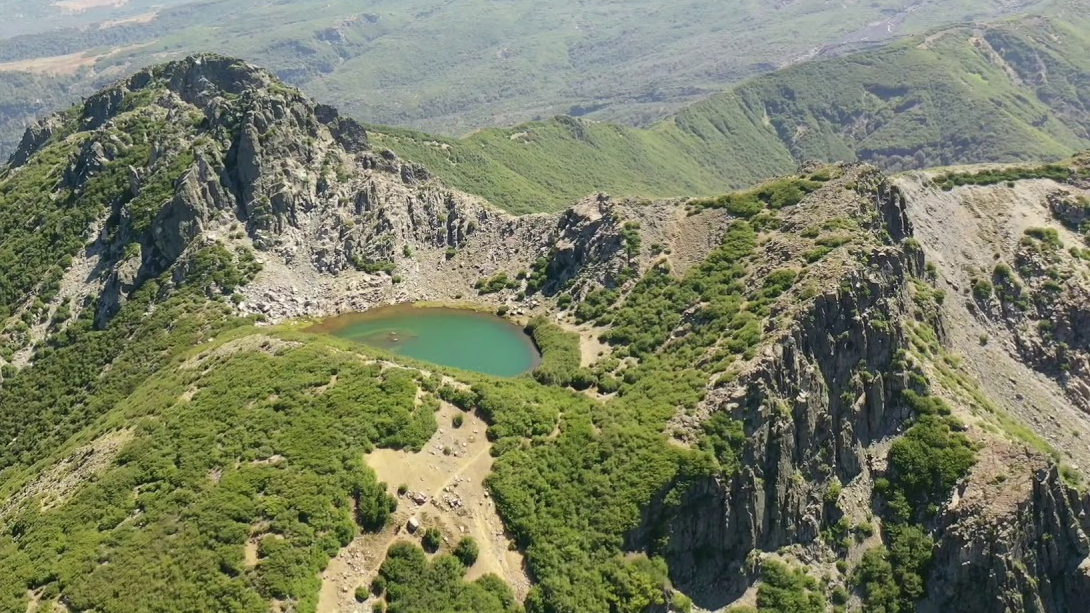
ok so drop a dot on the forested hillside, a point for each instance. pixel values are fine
(758, 401)
(1009, 91)
(439, 66)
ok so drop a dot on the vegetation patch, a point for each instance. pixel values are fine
(495, 284)
(774, 195)
(560, 356)
(412, 582)
(1056, 172)
(924, 466)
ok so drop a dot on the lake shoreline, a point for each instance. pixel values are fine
(468, 338)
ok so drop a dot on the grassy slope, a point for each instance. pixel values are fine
(957, 96)
(547, 165)
(438, 66)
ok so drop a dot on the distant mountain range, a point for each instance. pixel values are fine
(437, 66)
(1006, 91)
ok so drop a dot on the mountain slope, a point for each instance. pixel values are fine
(738, 395)
(1007, 91)
(438, 66)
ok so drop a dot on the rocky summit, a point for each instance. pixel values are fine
(835, 390)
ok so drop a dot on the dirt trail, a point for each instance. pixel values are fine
(448, 476)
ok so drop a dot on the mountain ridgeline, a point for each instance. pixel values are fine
(1000, 92)
(436, 65)
(795, 397)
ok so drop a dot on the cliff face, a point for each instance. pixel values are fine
(1014, 537)
(820, 408)
(209, 152)
(1020, 550)
(813, 406)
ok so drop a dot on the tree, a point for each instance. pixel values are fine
(467, 551)
(432, 539)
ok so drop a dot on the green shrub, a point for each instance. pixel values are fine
(371, 267)
(1049, 236)
(432, 540)
(816, 254)
(560, 356)
(775, 195)
(595, 305)
(786, 590)
(724, 438)
(461, 398)
(778, 282)
(874, 577)
(832, 494)
(925, 464)
(413, 583)
(467, 551)
(982, 289)
(496, 283)
(1055, 172)
(840, 595)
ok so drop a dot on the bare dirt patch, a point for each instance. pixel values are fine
(78, 6)
(591, 347)
(250, 552)
(69, 64)
(445, 483)
(135, 19)
(57, 65)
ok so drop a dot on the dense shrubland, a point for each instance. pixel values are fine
(248, 439)
(560, 356)
(775, 195)
(412, 583)
(995, 176)
(256, 451)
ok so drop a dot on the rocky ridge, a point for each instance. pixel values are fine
(237, 161)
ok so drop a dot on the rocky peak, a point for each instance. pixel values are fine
(196, 80)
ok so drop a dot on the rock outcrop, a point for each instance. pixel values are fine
(813, 408)
(1022, 553)
(34, 138)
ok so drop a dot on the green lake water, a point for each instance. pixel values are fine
(453, 337)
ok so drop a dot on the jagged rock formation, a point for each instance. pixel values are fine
(238, 159)
(211, 153)
(1020, 546)
(820, 408)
